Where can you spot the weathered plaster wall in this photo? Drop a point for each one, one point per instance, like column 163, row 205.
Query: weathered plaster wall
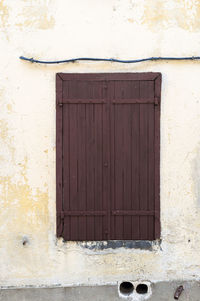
column 30, row 254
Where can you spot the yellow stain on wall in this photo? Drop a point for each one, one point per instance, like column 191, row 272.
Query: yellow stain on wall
column 6, row 138
column 9, row 108
column 3, row 129
column 28, row 208
column 160, row 14
column 4, row 14
column 36, row 16
column 189, row 16
column 130, row 20
column 21, row 207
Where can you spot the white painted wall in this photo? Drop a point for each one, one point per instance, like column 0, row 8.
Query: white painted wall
column 57, row 29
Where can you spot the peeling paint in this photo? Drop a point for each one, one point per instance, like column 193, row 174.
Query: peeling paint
column 160, row 14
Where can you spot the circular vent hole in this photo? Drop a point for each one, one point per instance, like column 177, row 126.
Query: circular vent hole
column 126, row 288
column 142, row 289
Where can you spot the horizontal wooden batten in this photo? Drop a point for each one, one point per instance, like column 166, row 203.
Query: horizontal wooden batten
column 109, row 76
column 100, row 213
column 130, row 101
column 133, row 212
column 115, row 101
column 81, row 213
column 82, row 101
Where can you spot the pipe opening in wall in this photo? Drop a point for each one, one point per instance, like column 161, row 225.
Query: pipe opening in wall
column 142, row 289
column 126, row 288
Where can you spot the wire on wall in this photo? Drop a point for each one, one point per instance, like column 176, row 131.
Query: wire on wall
column 187, row 58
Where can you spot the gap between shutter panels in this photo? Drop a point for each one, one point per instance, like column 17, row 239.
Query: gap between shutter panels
column 113, row 212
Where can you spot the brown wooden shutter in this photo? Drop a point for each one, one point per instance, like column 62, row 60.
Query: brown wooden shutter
column 108, row 156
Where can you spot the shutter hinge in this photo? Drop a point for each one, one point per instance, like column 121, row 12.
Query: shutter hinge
column 60, row 226
column 62, row 215
column 156, row 101
column 157, row 215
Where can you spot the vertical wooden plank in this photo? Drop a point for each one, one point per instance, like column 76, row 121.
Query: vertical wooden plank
column 98, row 175
column 144, row 140
column 59, row 176
column 143, row 170
column 112, row 158
column 66, row 170
column 73, row 146
column 102, row 162
column 157, row 156
column 81, row 169
column 135, row 158
column 151, row 170
column 90, row 169
column 106, row 162
column 147, row 152
column 127, row 149
column 135, row 163
column 119, row 170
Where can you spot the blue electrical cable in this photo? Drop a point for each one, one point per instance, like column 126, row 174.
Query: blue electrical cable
column 187, row 58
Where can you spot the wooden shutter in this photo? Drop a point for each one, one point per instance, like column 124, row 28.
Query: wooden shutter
column 108, row 156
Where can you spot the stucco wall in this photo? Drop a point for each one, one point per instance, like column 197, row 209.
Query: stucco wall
column 56, row 29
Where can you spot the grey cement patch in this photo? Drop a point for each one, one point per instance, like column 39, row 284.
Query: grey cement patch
column 162, row 291
column 115, row 244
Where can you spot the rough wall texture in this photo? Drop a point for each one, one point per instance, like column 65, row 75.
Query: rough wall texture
column 30, row 254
